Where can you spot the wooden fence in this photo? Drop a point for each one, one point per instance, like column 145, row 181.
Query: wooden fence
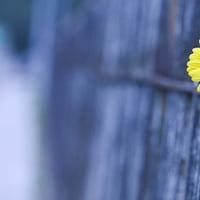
column 124, row 117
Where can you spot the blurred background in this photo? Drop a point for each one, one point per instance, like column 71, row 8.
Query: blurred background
column 95, row 102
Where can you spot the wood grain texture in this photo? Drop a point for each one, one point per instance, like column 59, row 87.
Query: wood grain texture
column 133, row 141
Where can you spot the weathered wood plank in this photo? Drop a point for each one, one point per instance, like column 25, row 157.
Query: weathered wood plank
column 103, row 160
column 193, row 188
column 140, row 136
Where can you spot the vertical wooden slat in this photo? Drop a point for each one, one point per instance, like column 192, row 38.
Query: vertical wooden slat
column 99, row 182
column 154, row 146
column 70, row 123
column 171, row 147
column 136, row 146
column 193, row 189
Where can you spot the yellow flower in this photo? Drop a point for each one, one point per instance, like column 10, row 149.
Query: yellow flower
column 193, row 66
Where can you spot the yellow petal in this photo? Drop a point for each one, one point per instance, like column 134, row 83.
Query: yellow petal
column 192, row 63
column 196, row 50
column 196, row 79
column 198, row 88
column 189, row 74
column 195, row 72
column 194, row 57
column 191, row 68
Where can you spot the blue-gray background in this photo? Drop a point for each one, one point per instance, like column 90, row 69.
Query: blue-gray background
column 95, row 102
